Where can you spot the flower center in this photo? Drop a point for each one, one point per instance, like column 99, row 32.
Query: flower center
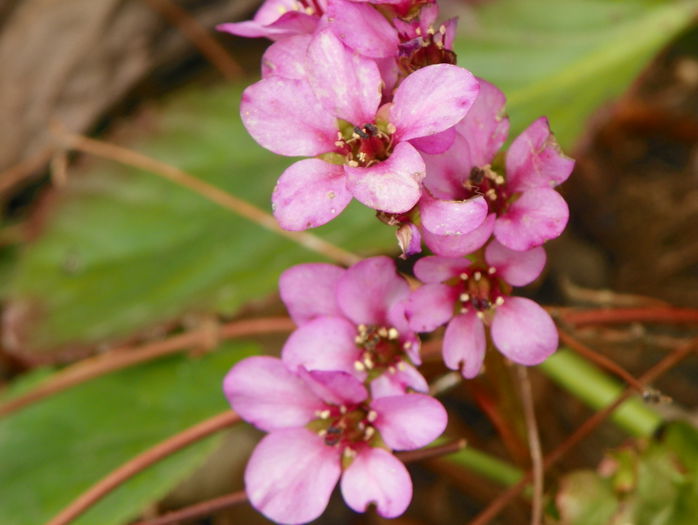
column 345, row 426
column 381, row 349
column 364, row 146
column 481, row 291
column 424, row 50
column 483, row 181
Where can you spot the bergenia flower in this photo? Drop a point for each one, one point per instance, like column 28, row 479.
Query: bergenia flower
column 279, row 19
column 472, row 296
column 524, row 209
column 362, row 150
column 352, row 321
column 323, row 426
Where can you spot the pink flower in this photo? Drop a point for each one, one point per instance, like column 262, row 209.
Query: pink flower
column 470, row 296
column 352, row 321
column 322, row 426
column 280, row 18
column 362, row 150
column 524, row 210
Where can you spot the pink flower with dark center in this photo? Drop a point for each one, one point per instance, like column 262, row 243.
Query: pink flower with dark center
column 524, row 210
column 323, row 426
column 362, row 151
column 471, row 296
column 279, row 19
column 353, row 321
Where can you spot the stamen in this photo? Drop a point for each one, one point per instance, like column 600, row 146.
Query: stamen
column 491, row 270
column 358, row 365
column 372, row 416
column 393, row 333
column 499, row 301
column 464, row 276
column 402, row 366
column 368, row 434
column 343, row 409
column 477, row 276
column 464, row 297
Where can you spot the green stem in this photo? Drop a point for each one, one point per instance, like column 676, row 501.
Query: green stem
column 598, row 390
column 486, row 465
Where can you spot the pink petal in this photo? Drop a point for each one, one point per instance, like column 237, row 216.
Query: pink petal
column 436, row 269
column 430, row 306
column 283, row 115
column 437, row 143
column 291, row 475
column 535, row 160
column 393, row 185
column 376, row 476
column 485, row 126
column 460, row 245
column 346, row 84
column 310, row 193
column 447, row 172
column 397, row 382
column 523, row 331
column 362, row 28
column 368, row 290
column 409, row 421
column 517, row 268
column 325, row 343
column 286, row 58
column 265, row 393
column 409, row 239
column 431, row 100
column 450, row 217
column 536, row 217
column 309, row 290
column 334, row 387
column 464, row 344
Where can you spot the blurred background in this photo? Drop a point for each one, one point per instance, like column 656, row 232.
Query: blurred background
column 97, row 255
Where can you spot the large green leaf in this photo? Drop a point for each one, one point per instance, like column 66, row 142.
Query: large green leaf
column 565, row 58
column 54, row 450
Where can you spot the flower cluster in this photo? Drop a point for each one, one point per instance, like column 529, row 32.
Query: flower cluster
column 368, row 91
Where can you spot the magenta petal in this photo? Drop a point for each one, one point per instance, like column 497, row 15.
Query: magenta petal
column 437, row 143
column 534, row 159
column 268, row 395
column 376, row 476
column 464, row 344
column 369, row 289
column 309, row 290
column 310, row 193
column 436, row 269
column 362, row 28
column 346, row 84
column 286, row 58
column 449, row 217
column 447, row 172
column 460, row 245
column 334, row 387
column 397, row 382
column 392, row 185
column 430, row 306
column 291, row 475
column 431, row 100
column 536, row 217
column 409, row 421
column 485, row 126
column 325, row 343
column 283, row 115
column 523, row 331
column 517, row 268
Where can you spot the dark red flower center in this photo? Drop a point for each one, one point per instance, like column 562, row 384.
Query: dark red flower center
column 364, row 146
column 424, row 50
column 346, row 426
column 491, row 185
column 381, row 349
column 480, row 290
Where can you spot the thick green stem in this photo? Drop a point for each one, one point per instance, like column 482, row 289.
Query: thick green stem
column 598, row 390
column 486, row 465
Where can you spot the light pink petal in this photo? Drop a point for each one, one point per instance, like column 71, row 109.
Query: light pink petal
column 310, row 193
column 346, row 84
column 485, row 126
column 460, row 245
column 536, row 217
column 464, row 344
column 325, row 343
column 451, row 26
column 517, row 268
column 447, row 172
column 309, row 290
column 368, row 290
column 535, row 160
column 362, row 28
column 431, row 100
column 283, row 115
column 268, row 395
column 398, row 382
column 450, row 217
column 523, row 331
column 376, row 476
column 271, row 22
column 409, row 239
column 430, row 306
column 393, row 185
column 436, row 269
column 291, row 475
column 437, row 143
column 286, row 57
column 409, row 421
column 334, row 387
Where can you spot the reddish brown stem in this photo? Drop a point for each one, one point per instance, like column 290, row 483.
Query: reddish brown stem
column 668, row 315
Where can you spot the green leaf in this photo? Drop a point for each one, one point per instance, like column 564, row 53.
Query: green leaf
column 565, row 58
column 585, row 499
column 55, row 449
